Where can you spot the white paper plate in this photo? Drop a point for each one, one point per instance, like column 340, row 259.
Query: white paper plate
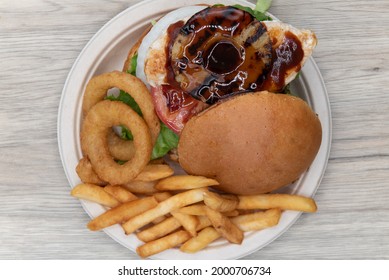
column 106, row 52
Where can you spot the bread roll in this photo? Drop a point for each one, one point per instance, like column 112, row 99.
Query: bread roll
column 252, row 143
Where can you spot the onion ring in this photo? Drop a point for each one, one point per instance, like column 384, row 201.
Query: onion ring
column 95, row 128
column 119, row 148
column 98, row 86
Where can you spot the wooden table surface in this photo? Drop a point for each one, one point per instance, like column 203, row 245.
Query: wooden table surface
column 39, row 42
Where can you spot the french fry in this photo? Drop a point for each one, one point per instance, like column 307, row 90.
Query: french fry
column 141, row 187
column 164, row 207
column 120, row 193
column 193, row 218
column 188, row 222
column 258, row 220
column 156, row 246
column 122, row 213
column 159, row 230
column 247, row 211
column 199, row 210
column 158, row 220
column 282, row 201
column 202, row 240
column 224, row 226
column 161, row 196
column 203, row 222
column 220, row 203
column 153, row 172
column 185, row 182
column 232, row 213
column 86, row 173
column 195, row 209
column 94, row 193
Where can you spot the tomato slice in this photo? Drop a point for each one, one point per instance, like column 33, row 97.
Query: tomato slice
column 175, row 107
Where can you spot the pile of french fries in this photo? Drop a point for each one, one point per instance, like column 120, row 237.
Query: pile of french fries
column 167, row 211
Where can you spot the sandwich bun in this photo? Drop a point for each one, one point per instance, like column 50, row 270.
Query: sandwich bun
column 253, row 143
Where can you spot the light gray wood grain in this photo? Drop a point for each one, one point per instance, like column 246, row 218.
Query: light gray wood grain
column 39, row 42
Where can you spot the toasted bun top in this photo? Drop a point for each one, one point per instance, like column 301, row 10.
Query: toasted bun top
column 253, row 143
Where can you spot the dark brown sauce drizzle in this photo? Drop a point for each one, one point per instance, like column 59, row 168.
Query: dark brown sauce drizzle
column 215, row 61
column 176, row 98
column 286, row 57
column 172, row 33
column 215, row 66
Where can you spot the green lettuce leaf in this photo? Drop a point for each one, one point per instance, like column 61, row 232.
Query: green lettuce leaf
column 126, row 133
column 166, row 141
column 263, row 5
column 257, row 14
column 121, row 162
column 127, row 99
column 132, row 69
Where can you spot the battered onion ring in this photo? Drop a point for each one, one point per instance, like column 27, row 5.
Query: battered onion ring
column 95, row 128
column 119, row 148
column 98, row 86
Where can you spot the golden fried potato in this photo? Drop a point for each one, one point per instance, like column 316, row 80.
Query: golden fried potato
column 202, row 240
column 282, row 201
column 86, row 173
column 220, row 203
column 258, row 220
column 188, row 222
column 175, row 202
column 122, row 213
column 120, row 193
column 94, row 193
column 199, row 210
column 185, row 182
column 153, row 172
column 224, row 226
column 203, row 222
column 156, row 246
column 161, row 196
column 141, row 187
column 159, row 230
